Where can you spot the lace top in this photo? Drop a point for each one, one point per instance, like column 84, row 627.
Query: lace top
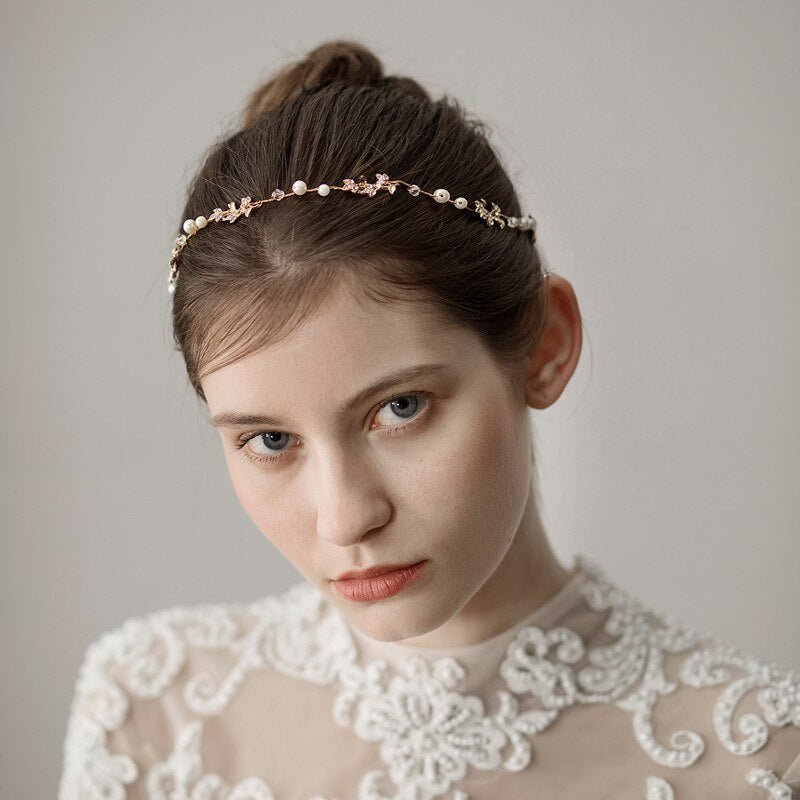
column 593, row 695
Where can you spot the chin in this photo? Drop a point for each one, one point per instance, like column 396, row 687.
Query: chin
column 389, row 622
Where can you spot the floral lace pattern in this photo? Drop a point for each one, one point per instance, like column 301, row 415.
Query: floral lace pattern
column 658, row 789
column 427, row 731
column 767, row 779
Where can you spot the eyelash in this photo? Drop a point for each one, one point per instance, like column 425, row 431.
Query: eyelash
column 395, row 430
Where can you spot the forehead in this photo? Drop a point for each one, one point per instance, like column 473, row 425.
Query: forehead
column 349, row 339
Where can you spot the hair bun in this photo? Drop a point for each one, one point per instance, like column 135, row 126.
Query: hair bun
column 336, row 60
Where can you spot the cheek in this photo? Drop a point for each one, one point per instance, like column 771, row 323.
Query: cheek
column 274, row 513
column 478, row 473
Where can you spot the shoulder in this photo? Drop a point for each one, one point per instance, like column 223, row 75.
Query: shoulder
column 197, row 655
column 695, row 700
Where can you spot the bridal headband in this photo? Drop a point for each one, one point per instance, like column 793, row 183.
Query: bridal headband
column 361, row 186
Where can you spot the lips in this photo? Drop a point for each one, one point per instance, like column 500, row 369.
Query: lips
column 373, row 572
column 384, row 582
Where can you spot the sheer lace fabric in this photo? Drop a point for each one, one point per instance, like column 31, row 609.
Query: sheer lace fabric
column 592, row 695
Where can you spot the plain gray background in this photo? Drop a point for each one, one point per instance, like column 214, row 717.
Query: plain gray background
column 656, row 144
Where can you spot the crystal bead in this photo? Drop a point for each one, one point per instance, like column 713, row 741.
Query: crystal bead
column 278, row 194
column 413, row 190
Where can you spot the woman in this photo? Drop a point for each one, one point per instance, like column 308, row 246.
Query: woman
column 368, row 332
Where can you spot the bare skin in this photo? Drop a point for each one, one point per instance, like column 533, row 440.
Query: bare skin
column 451, row 484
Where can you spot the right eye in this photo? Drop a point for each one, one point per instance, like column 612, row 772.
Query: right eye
column 266, row 446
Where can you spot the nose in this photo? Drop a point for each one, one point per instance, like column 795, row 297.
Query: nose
column 349, row 494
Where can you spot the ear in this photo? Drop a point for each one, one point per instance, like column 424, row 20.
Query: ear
column 555, row 357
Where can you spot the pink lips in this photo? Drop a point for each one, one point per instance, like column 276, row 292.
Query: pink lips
column 377, row 583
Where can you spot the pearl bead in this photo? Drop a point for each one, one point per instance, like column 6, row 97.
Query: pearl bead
column 190, row 226
column 299, row 187
column 441, row 195
column 324, row 189
column 461, row 202
column 171, row 287
column 201, row 222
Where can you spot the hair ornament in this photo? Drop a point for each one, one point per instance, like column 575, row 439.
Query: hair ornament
column 361, row 186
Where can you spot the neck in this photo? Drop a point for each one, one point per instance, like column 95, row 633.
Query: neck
column 527, row 577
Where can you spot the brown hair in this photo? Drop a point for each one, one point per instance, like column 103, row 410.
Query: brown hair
column 331, row 116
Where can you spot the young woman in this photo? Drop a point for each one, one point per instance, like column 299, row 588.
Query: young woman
column 359, row 301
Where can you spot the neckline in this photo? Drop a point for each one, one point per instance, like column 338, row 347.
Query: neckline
column 544, row 616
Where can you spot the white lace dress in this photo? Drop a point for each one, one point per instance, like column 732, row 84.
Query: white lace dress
column 594, row 695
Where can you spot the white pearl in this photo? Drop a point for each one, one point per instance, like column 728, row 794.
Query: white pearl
column 201, row 222
column 324, row 189
column 171, row 288
column 461, row 202
column 190, row 226
column 441, row 195
column 299, row 187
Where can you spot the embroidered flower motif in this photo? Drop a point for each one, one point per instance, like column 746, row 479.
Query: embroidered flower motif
column 659, row 789
column 429, row 732
column 181, row 776
column 298, row 633
column 768, row 780
column 90, row 770
column 368, row 790
column 779, row 694
column 633, row 662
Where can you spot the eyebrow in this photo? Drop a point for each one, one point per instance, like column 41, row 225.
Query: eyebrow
column 236, row 419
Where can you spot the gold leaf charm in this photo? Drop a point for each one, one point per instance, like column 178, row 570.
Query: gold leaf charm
column 490, row 216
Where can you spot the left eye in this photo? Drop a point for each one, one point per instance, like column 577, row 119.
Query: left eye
column 404, row 406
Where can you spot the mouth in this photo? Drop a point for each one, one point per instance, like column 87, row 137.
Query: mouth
column 373, row 572
column 377, row 583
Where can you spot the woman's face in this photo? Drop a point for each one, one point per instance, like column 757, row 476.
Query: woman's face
column 433, row 468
